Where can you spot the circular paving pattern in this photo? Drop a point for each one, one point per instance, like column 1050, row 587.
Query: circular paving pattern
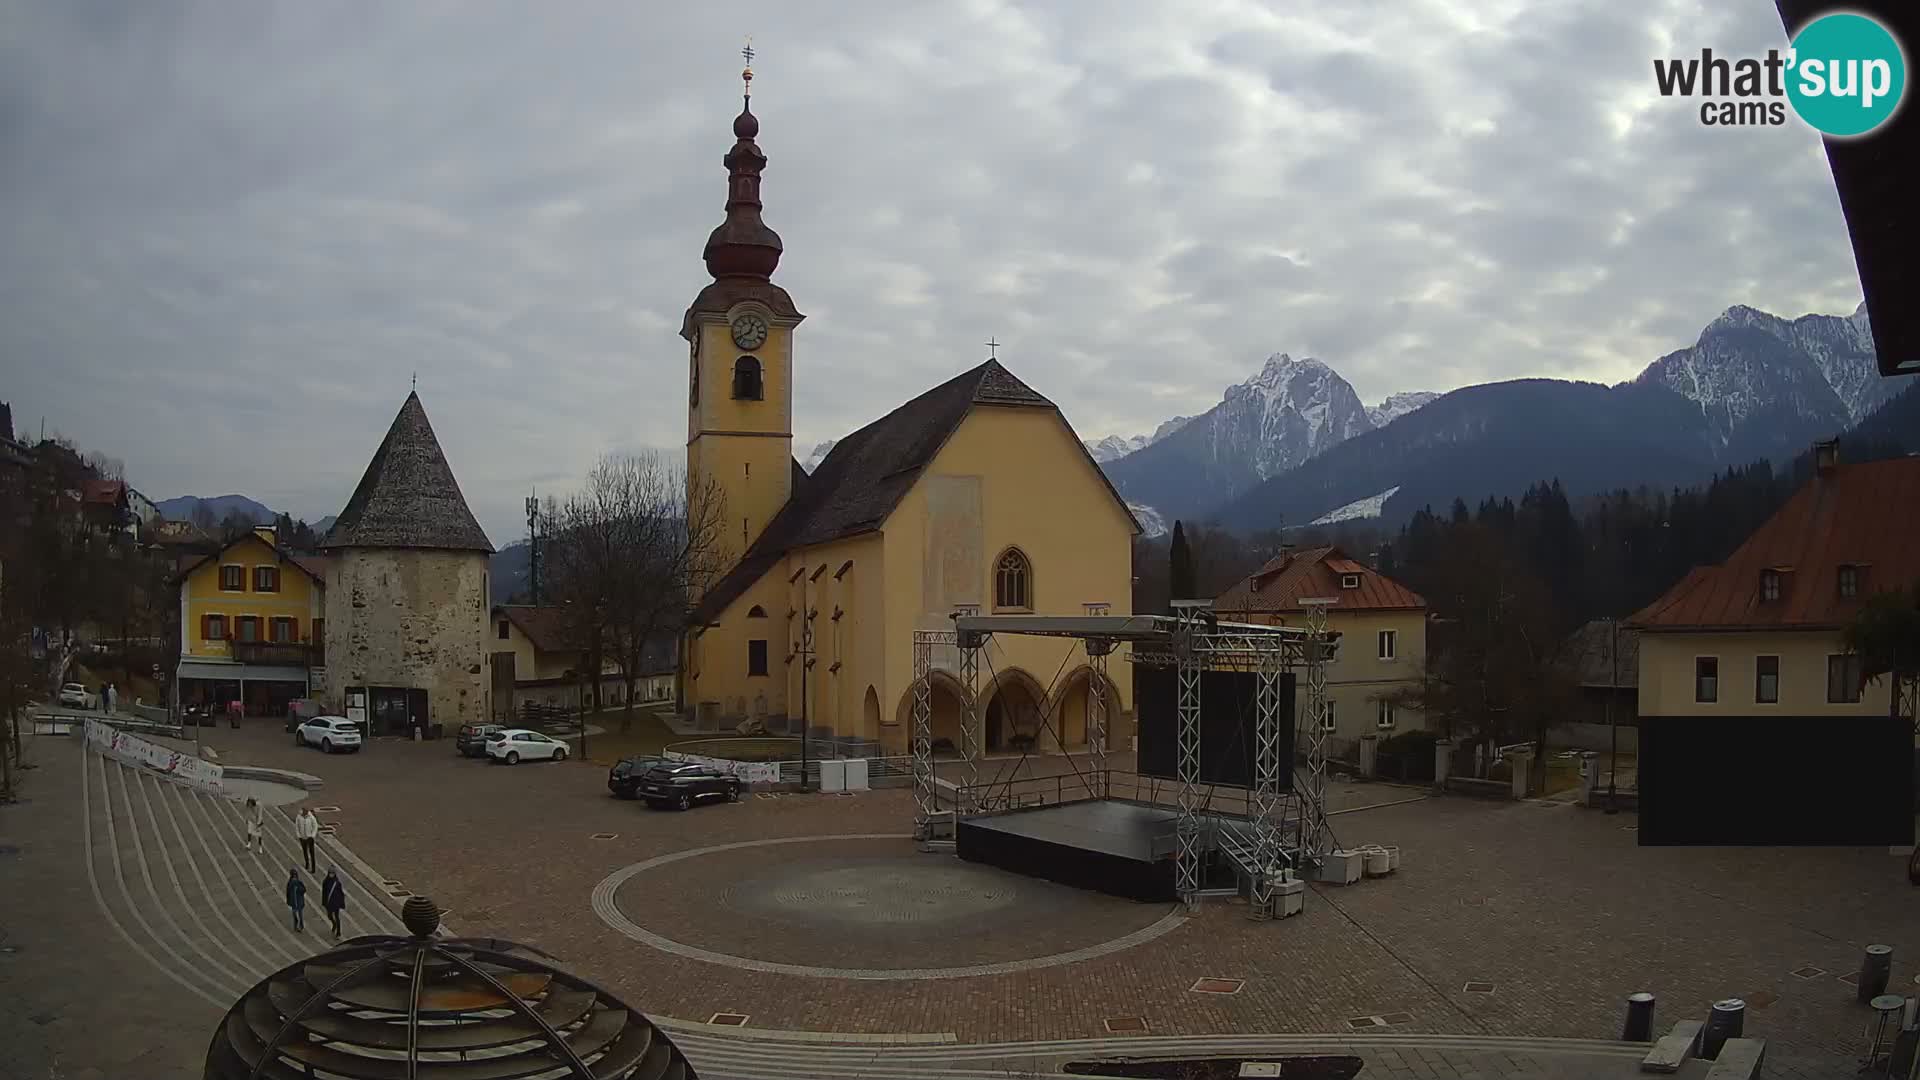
column 874, row 900
column 877, row 893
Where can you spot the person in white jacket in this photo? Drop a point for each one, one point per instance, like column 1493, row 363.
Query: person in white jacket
column 307, row 828
column 256, row 818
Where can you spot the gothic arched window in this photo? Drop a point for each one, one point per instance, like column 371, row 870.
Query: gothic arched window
column 1013, row 580
column 746, row 379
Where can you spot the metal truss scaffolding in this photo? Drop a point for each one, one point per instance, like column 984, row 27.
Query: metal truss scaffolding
column 1188, row 632
column 969, row 642
column 925, row 799
column 1315, row 835
column 1268, row 807
column 1286, row 827
column 1097, row 651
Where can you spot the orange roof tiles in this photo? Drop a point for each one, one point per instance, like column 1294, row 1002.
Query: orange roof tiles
column 546, row 626
column 1288, row 578
column 1866, row 516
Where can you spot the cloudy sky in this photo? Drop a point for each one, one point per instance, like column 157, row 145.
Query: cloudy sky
column 233, row 231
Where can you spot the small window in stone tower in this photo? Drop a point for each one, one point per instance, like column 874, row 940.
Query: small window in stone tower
column 746, row 379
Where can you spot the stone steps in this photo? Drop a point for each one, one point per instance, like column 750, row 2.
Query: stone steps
column 169, row 869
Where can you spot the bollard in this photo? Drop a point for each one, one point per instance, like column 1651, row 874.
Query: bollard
column 1639, row 1018
column 1726, row 1021
column 1875, row 968
column 1906, row 1046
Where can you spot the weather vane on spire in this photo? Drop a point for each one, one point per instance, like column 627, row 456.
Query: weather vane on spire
column 746, row 74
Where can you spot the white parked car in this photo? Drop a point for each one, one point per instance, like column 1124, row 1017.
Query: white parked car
column 515, row 745
column 73, row 696
column 329, row 733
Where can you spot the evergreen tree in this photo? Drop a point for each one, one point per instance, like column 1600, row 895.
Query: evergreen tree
column 1180, row 579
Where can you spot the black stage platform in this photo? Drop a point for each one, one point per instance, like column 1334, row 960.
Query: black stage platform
column 1106, row 845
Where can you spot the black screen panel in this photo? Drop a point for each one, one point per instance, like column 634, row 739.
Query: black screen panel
column 1228, row 700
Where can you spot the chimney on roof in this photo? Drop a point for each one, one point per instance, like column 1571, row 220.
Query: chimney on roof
column 1826, row 457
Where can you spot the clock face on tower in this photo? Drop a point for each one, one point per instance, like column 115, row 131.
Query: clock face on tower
column 749, row 331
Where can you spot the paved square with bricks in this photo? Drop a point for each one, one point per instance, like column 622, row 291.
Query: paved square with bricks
column 811, row 914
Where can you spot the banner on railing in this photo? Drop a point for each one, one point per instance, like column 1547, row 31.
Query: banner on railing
column 749, row 772
column 133, row 750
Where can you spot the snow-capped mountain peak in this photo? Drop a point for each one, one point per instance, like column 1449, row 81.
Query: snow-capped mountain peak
column 1818, row 368
column 1290, row 411
column 1398, row 405
column 1115, row 447
column 812, row 461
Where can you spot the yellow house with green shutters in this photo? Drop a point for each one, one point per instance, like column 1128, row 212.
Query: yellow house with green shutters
column 976, row 496
column 252, row 626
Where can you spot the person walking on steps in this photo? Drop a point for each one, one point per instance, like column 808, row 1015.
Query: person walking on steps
column 256, row 816
column 297, row 899
column 333, row 899
column 307, row 828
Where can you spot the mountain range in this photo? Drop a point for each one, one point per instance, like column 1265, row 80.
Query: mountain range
column 1288, row 413
column 1294, row 445
column 184, row 507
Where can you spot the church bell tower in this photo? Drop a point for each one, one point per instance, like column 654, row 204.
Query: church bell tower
column 739, row 331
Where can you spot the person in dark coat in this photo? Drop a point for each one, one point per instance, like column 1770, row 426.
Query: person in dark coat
column 333, row 898
column 297, row 899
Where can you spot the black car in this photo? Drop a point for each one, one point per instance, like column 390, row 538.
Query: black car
column 681, row 784
column 471, row 739
column 624, row 778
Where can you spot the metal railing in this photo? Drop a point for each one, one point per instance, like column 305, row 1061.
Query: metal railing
column 881, row 771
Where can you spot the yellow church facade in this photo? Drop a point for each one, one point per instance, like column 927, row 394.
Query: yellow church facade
column 975, row 496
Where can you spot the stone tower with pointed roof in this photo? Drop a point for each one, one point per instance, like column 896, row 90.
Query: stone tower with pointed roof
column 974, row 495
column 407, row 590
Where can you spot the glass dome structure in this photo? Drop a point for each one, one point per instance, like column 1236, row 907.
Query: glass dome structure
column 423, row 1007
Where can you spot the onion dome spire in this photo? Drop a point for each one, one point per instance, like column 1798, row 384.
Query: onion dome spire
column 743, row 246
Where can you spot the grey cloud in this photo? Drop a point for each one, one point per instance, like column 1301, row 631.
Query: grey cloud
column 226, row 224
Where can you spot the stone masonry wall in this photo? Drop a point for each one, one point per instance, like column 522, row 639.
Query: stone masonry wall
column 410, row 617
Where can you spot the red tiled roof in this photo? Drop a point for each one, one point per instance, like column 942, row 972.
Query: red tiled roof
column 314, row 566
column 545, row 626
column 1288, row 578
column 1865, row 515
column 107, row 492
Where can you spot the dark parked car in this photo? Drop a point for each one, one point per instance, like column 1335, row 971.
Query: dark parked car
column 301, row 710
column 471, row 739
column 624, row 778
column 680, row 785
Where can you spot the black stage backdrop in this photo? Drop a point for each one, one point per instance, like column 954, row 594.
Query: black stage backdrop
column 1228, row 700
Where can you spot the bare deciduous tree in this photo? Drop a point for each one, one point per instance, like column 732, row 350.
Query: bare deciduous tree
column 105, row 466
column 1490, row 671
column 625, row 553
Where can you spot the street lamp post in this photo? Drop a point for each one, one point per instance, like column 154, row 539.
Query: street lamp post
column 1613, row 727
column 804, row 653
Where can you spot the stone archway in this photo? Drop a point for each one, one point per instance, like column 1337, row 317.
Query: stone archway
column 1069, row 707
column 870, row 715
column 1014, row 709
column 948, row 701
